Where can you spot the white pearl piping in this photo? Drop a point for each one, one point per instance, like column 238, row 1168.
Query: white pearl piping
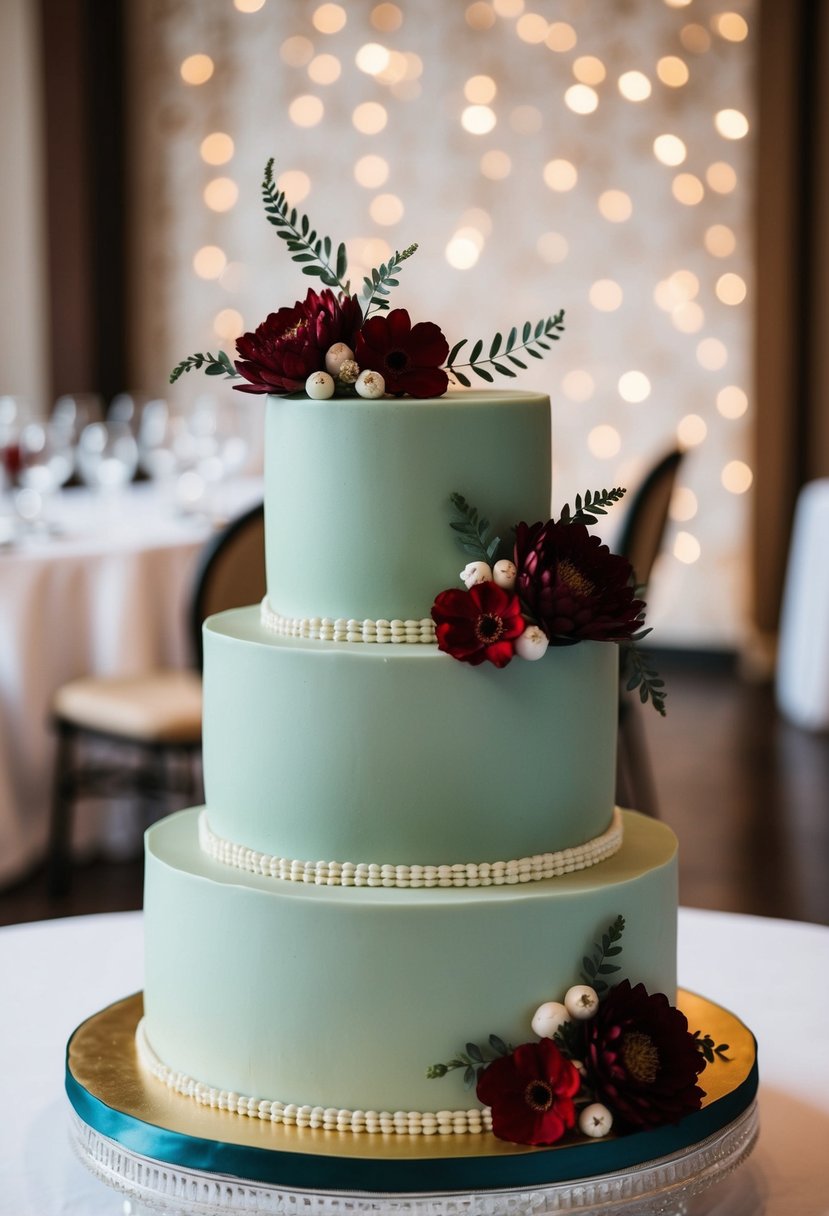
column 327, row 629
column 400, row 1122
column 362, row 874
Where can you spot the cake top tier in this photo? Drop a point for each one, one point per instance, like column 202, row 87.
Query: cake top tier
column 357, row 495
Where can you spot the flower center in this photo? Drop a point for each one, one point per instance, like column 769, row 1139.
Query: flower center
column 640, row 1057
column 573, row 578
column 488, row 628
column 397, row 360
column 539, row 1096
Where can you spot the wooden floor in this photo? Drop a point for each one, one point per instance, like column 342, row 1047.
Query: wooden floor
column 747, row 794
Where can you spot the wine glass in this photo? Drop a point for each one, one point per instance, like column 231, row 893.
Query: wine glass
column 74, row 411
column 14, row 413
column 157, row 434
column 129, row 408
column 107, row 456
column 45, row 464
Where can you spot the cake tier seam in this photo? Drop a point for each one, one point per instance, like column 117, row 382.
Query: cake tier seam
column 363, row 874
column 408, row 1123
column 340, row 629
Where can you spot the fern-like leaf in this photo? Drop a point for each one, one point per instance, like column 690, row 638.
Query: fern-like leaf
column 498, row 352
column 594, row 503
column 303, row 243
column 644, row 676
column 214, row 365
column 474, row 532
column 376, row 285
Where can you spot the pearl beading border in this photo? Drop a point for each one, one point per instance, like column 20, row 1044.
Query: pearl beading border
column 362, row 874
column 399, row 1122
column 327, row 629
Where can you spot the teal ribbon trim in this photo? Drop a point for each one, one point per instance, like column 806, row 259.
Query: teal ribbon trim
column 318, row 1173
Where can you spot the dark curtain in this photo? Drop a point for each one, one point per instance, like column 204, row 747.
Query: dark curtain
column 82, row 55
column 792, row 282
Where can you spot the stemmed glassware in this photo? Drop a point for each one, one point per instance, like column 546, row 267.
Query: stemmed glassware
column 44, row 465
column 107, row 456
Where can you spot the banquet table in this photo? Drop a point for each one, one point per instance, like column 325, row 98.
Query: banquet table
column 772, row 973
column 106, row 594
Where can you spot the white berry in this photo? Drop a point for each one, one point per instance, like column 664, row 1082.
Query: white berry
column 503, row 573
column 336, row 356
column 595, row 1120
column 581, row 1002
column 320, row 386
column 532, row 644
column 370, row 385
column 548, row 1018
column 476, row 572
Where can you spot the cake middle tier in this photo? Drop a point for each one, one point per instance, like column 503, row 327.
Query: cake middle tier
column 398, row 754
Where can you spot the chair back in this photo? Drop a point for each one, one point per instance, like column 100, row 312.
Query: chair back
column 230, row 573
column 643, row 530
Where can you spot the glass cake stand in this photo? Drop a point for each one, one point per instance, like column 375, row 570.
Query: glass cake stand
column 166, row 1154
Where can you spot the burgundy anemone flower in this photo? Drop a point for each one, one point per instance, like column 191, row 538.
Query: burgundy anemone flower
column 481, row 623
column 641, row 1059
column 573, row 586
column 530, row 1093
column 407, row 356
column 282, row 352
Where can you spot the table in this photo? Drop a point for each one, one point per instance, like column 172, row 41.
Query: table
column 106, row 596
column 773, row 973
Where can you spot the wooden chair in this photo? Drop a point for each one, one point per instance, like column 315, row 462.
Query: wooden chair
column 150, row 724
column 640, row 541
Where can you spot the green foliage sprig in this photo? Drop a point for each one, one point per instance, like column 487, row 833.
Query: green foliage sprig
column 594, row 503
column 705, row 1045
column 376, row 285
column 474, row 532
column 214, row 365
column 302, row 241
column 473, row 1060
column 595, row 966
column 643, row 675
column 501, row 353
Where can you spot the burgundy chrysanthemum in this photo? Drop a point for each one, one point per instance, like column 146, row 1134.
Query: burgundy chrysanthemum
column 407, row 356
column 573, row 586
column 282, row 352
column 641, row 1059
column 478, row 624
column 531, row 1094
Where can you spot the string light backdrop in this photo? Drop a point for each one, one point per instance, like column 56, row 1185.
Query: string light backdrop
column 583, row 155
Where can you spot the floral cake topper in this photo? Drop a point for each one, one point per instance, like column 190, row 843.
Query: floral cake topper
column 330, row 343
column 605, row 1057
column 555, row 585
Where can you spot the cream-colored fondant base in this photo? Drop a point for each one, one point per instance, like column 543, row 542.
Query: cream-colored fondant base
column 341, row 998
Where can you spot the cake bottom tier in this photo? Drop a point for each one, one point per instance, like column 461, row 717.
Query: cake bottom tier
column 341, row 998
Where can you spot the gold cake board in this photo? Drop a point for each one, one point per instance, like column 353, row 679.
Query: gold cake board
column 169, row 1152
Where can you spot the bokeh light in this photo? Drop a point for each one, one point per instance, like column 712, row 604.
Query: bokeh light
column 691, row 430
column 731, row 288
column 324, row 69
column 371, row 171
column 552, row 247
column 731, row 26
column 606, row 295
column 228, row 324
column 478, row 120
column 369, row 117
column 306, row 110
column 196, row 69
column 372, row 58
column 684, row 504
column 581, row 99
column 695, row 38
column 721, row 177
column 687, row 548
column 329, row 18
column 221, row 193
column 720, row 240
column 589, row 70
column 532, row 28
column 496, row 164
column 560, row 175
column 634, row 386
column 669, row 149
column 615, row 206
column 736, row 477
column 688, row 189
column 578, row 385
column 297, row 51
column 634, row 86
column 672, row 71
column 296, row 185
column 561, row 37
column 216, row 148
column 386, row 18
column 480, row 16
column 712, row 354
column 604, row 442
column 386, row 209
column 732, row 401
column 731, row 124
column 209, row 262
column 480, row 90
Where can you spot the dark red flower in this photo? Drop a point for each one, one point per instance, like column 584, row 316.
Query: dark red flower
column 641, row 1059
column 279, row 356
column 573, row 586
column 481, row 623
column 407, row 356
column 531, row 1094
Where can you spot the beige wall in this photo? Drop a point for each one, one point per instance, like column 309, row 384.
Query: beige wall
column 22, row 250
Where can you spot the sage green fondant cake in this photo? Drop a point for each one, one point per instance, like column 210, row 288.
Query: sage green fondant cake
column 399, row 853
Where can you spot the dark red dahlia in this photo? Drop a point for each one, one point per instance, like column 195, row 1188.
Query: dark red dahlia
column 279, row 356
column 641, row 1059
column 573, row 586
column 481, row 623
column 407, row 356
column 531, row 1094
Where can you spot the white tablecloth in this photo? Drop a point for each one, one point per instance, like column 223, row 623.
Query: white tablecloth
column 108, row 596
column 774, row 974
